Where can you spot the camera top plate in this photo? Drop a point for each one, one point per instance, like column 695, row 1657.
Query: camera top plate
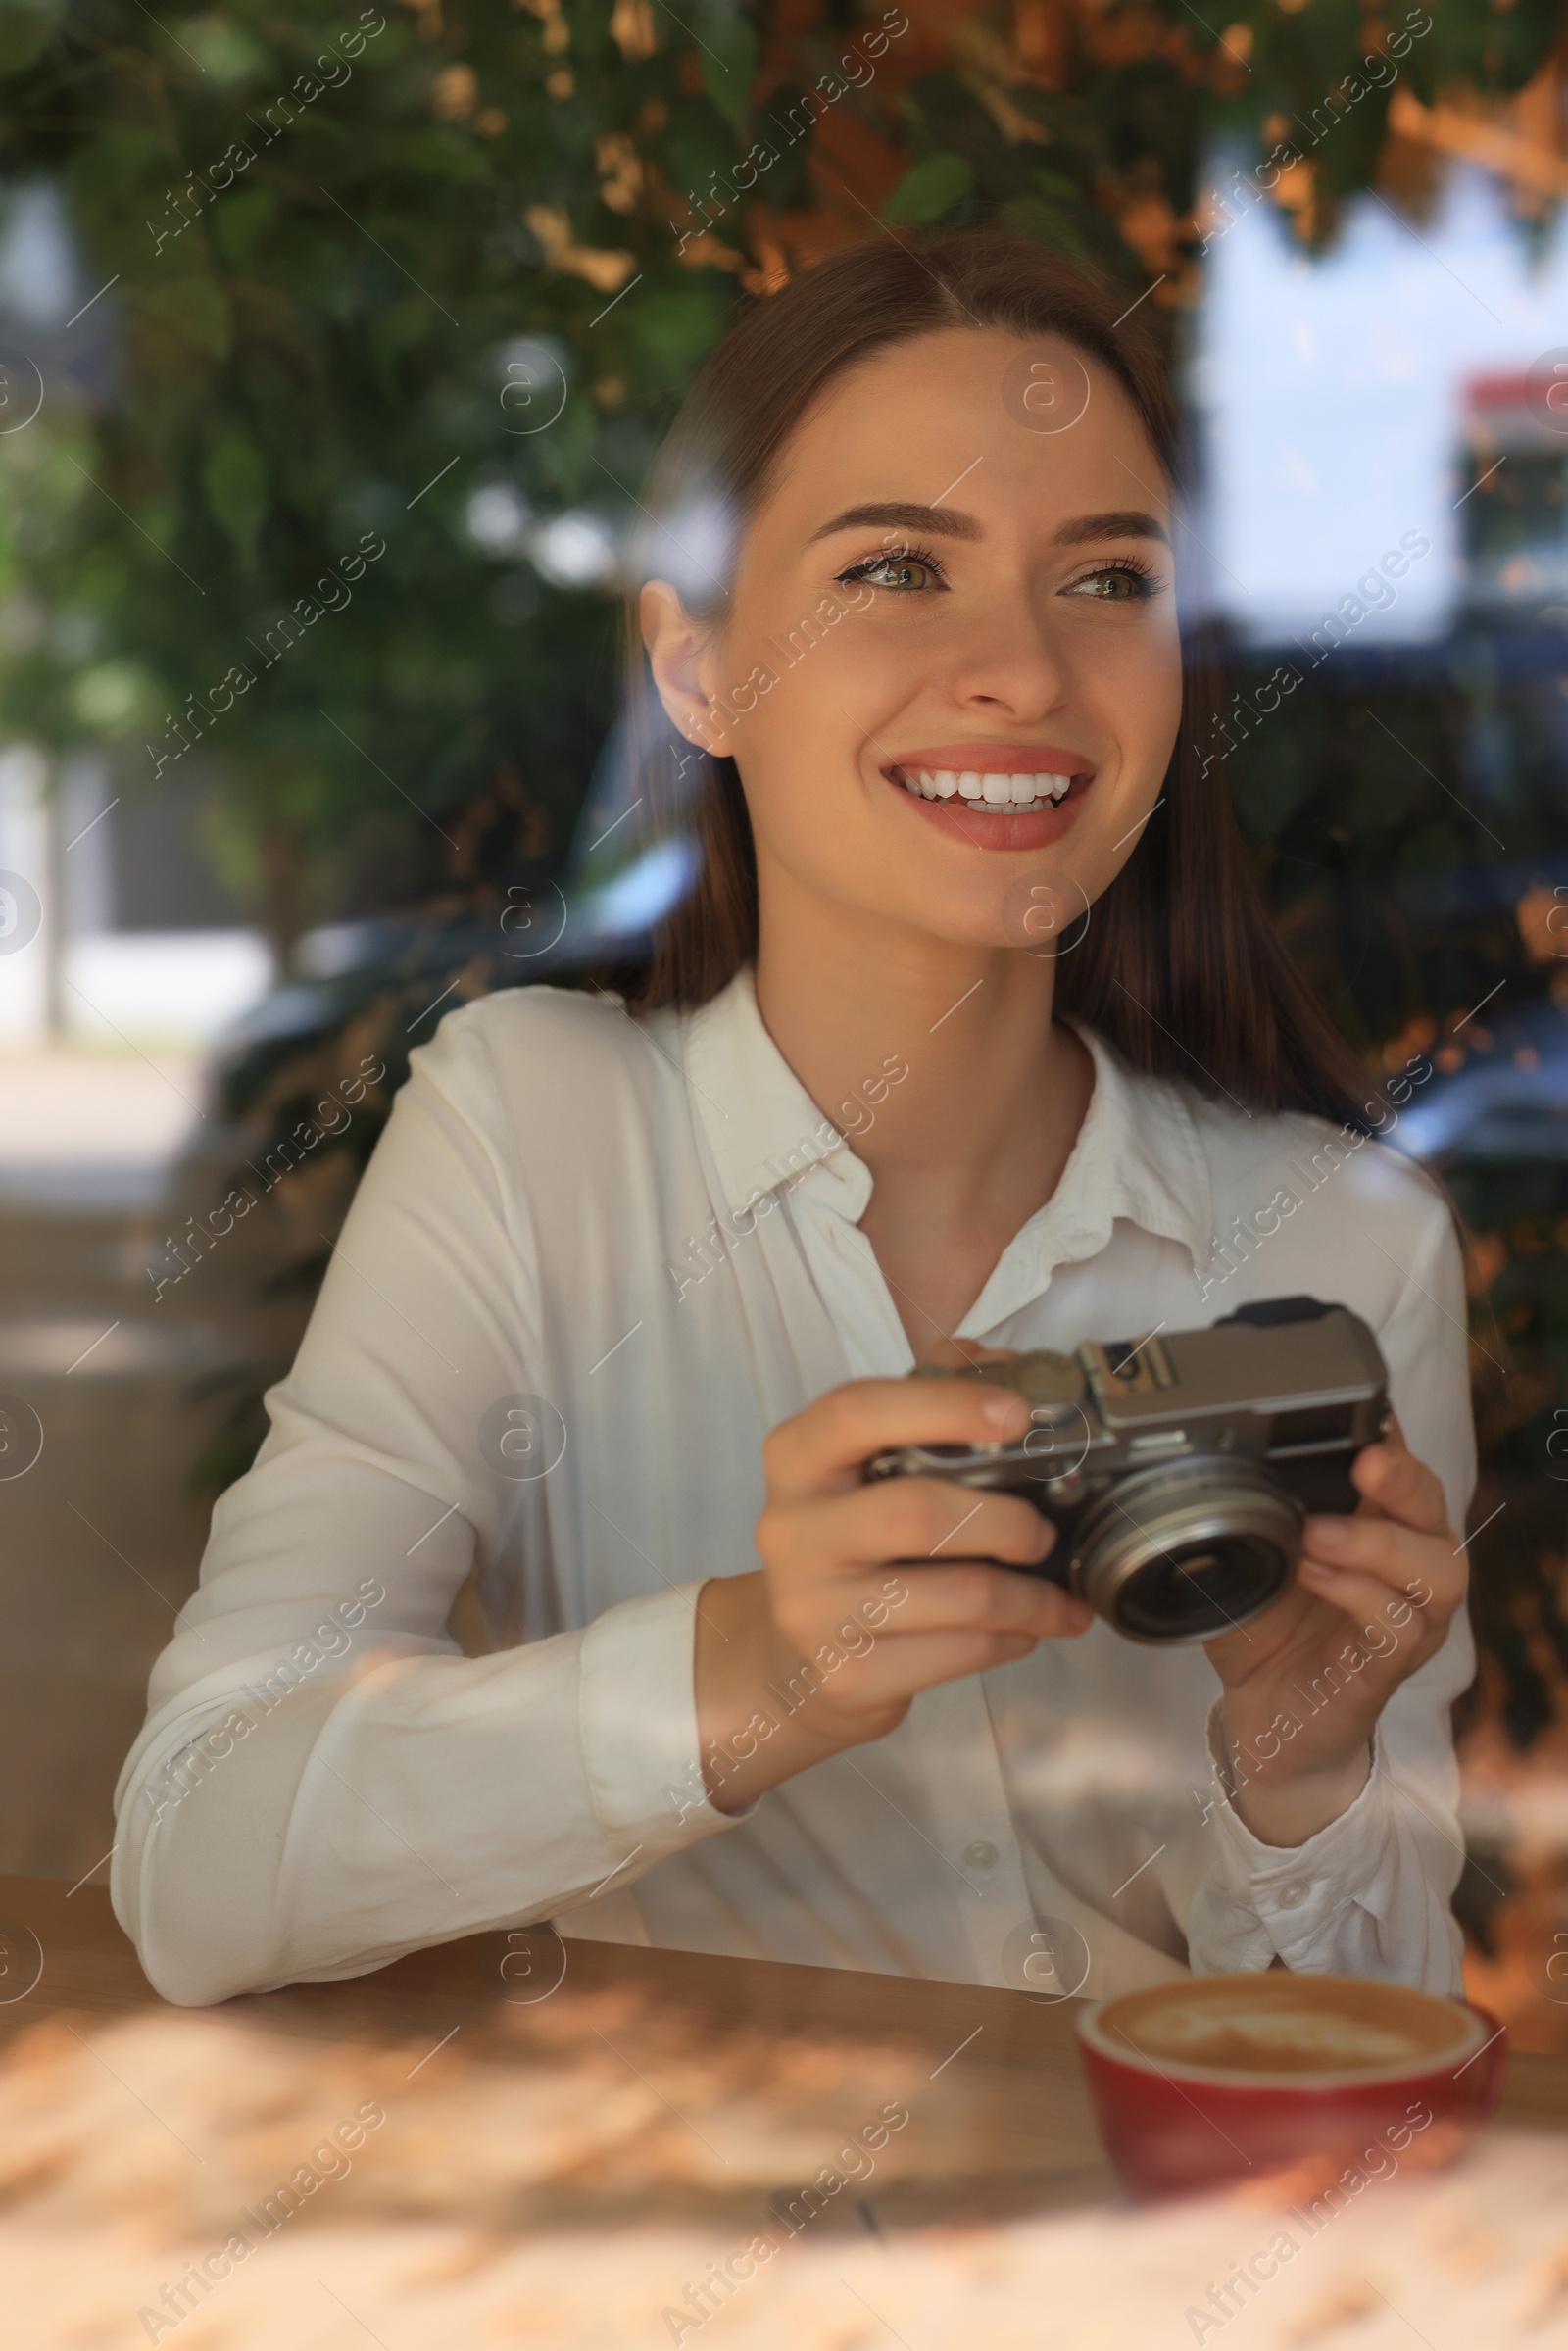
column 1052, row 1385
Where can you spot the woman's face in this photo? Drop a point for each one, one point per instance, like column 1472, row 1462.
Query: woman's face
column 941, row 591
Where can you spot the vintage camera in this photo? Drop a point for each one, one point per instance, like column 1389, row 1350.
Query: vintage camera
column 1177, row 1468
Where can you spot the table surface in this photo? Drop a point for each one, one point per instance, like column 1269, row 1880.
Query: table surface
column 999, row 2119
column 561, row 2146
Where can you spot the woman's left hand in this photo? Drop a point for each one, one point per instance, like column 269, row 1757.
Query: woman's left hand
column 1305, row 1684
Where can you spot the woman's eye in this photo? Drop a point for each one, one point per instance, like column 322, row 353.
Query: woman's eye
column 900, row 574
column 1117, row 583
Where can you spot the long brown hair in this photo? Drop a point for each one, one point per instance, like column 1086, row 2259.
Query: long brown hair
column 1180, row 967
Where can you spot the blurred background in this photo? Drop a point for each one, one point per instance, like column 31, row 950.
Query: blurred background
column 333, row 345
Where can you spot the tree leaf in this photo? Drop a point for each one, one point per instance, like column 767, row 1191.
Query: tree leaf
column 193, row 310
column 239, row 219
column 119, row 162
column 27, row 27
column 234, row 480
column 1048, row 223
column 931, row 190
column 728, row 57
column 1056, row 184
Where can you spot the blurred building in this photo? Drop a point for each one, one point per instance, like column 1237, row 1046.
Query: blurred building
column 1342, row 403
column 1514, row 538
column 138, row 938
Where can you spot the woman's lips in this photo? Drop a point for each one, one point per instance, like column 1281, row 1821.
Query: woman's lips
column 995, row 798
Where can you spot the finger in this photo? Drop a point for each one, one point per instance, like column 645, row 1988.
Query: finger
column 951, row 1355
column 1385, row 1650
column 915, row 1662
column 974, row 1596
column 829, row 1535
column 1384, row 1612
column 940, row 1604
column 926, row 1659
column 1428, row 1569
column 829, row 1443
column 1394, row 1481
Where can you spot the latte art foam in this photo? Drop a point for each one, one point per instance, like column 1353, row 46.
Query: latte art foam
column 1281, row 2024
column 1277, row 2039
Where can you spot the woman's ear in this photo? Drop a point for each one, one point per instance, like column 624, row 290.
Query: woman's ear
column 677, row 653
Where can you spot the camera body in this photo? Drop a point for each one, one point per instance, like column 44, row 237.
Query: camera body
column 1177, row 1468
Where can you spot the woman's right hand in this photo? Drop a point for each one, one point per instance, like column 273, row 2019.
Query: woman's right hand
column 868, row 1592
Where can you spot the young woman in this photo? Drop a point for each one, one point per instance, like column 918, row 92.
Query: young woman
column 627, row 1295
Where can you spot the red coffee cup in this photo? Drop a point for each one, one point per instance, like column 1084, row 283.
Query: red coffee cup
column 1216, row 2078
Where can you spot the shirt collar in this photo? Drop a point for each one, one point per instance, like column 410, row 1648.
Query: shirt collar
column 762, row 1126
column 1137, row 1156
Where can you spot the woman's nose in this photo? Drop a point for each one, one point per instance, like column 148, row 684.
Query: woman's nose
column 1009, row 663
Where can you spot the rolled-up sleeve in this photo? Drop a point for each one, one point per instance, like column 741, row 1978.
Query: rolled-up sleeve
column 1368, row 1895
column 1371, row 1893
column 325, row 1782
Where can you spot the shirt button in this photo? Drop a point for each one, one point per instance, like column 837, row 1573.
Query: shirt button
column 1291, row 1897
column 981, row 1855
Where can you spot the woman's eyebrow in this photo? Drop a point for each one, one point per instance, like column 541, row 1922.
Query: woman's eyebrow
column 898, row 515
column 1123, row 523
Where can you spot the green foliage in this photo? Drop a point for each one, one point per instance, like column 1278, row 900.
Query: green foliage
column 929, row 191
column 235, row 481
column 324, row 237
column 318, row 282
column 26, row 27
column 728, row 50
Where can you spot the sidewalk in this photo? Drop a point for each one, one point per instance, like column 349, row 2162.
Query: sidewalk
column 101, row 1536
column 93, row 1130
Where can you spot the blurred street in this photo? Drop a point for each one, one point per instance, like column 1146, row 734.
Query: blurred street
column 100, row 1538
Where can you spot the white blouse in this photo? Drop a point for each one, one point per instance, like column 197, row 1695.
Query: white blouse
column 591, row 1263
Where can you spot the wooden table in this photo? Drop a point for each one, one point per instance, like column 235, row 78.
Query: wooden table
column 644, row 2089
column 1000, row 2118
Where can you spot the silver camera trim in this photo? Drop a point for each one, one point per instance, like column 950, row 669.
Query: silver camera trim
column 1234, row 1498
column 1179, row 1439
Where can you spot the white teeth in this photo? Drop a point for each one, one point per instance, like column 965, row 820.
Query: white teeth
column 995, row 791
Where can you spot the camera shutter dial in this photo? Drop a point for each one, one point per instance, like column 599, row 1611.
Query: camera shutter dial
column 1053, row 1384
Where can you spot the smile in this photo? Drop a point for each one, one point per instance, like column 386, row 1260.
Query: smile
column 994, row 794
column 991, row 789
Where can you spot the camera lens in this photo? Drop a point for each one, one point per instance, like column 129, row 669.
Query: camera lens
column 1187, row 1551
column 1200, row 1589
